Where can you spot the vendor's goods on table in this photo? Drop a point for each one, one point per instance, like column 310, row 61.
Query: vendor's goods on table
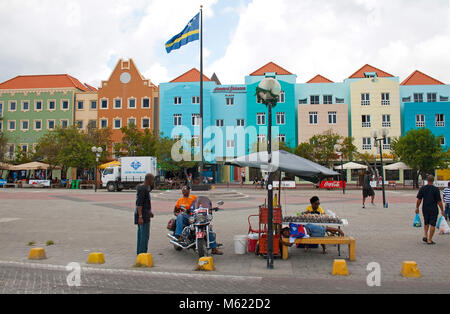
column 309, row 218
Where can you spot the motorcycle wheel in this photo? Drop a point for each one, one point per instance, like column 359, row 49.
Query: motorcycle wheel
column 201, row 249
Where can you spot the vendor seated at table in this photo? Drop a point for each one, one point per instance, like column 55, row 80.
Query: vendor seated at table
column 314, row 208
column 314, row 231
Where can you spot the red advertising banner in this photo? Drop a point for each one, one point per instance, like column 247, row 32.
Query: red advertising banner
column 331, row 184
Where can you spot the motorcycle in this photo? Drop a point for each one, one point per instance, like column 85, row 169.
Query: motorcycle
column 196, row 234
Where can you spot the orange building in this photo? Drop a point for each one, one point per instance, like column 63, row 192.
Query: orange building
column 127, row 98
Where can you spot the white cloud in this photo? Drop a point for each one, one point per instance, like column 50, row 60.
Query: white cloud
column 335, row 38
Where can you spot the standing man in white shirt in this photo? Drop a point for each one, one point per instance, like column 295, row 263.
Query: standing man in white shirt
column 446, row 194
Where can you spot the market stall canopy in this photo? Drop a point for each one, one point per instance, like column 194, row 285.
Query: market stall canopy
column 4, row 166
column 31, row 166
column 114, row 163
column 398, row 166
column 352, row 166
column 286, row 162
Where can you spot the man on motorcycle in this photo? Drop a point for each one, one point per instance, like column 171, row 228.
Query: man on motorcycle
column 182, row 206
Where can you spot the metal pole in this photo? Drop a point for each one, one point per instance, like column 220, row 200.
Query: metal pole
column 201, row 95
column 342, row 174
column 270, row 194
column 382, row 173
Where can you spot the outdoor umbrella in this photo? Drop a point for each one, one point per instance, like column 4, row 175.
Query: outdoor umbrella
column 286, row 162
column 31, row 166
column 398, row 166
column 4, row 166
column 109, row 164
column 352, row 166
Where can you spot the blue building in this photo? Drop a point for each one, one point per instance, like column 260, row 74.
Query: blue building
column 425, row 104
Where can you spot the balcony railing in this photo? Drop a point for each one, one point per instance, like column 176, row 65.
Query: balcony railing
column 440, row 123
column 365, row 102
column 386, row 124
column 420, row 124
column 367, row 147
column 385, row 102
column 366, row 124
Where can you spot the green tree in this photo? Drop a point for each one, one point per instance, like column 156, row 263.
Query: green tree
column 320, row 148
column 22, row 157
column 421, row 150
column 305, row 150
column 3, row 145
column 348, row 148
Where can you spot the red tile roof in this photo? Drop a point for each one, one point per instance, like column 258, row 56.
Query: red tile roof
column 192, row 75
column 270, row 68
column 419, row 78
column 369, row 68
column 43, row 81
column 319, row 79
column 93, row 89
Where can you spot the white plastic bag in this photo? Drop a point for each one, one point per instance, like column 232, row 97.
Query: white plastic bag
column 443, row 226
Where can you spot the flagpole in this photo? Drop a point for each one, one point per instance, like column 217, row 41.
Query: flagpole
column 201, row 94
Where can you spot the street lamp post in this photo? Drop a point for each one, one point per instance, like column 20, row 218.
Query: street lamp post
column 98, row 152
column 379, row 142
column 269, row 90
column 341, row 158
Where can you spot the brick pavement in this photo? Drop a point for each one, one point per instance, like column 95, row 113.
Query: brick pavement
column 80, row 222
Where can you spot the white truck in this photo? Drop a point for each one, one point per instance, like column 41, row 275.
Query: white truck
column 129, row 174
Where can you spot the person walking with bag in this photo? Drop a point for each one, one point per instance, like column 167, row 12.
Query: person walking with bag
column 446, row 194
column 431, row 198
column 143, row 213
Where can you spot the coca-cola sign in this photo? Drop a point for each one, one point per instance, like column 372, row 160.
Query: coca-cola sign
column 331, row 184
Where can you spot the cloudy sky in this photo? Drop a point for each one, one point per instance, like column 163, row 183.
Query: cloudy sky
column 85, row 38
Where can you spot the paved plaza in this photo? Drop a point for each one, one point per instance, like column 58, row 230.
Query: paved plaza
column 80, row 222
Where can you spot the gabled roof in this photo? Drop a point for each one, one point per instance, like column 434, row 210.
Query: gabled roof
column 43, row 81
column 319, row 79
column 91, row 88
column 214, row 78
column 419, row 78
column 368, row 68
column 192, row 75
column 270, row 68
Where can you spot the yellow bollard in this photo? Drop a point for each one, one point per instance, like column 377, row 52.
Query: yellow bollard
column 37, row 254
column 96, row 258
column 144, row 260
column 206, row 263
column 410, row 270
column 340, row 268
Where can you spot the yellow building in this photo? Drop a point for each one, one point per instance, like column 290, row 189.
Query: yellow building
column 86, row 109
column 374, row 105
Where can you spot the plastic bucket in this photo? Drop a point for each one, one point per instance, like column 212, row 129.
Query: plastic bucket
column 252, row 241
column 240, row 244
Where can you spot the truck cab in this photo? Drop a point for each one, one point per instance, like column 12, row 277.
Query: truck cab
column 110, row 178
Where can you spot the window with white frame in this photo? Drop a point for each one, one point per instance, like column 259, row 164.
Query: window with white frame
column 93, row 104
column 131, row 121
column 118, row 103
column 145, row 103
column 64, row 123
column 177, row 100
column 79, row 124
column 229, row 101
column 1, row 109
column 195, row 119
column 261, row 118
column 313, row 117
column 303, row 101
column 442, row 140
column 386, row 121
column 367, row 143
column 281, row 138
column 11, row 125
column 420, row 120
column 282, row 98
column 332, row 117
column 25, row 105
column 24, row 148
column 146, row 123
column 440, row 120
column 340, row 100
column 366, row 121
column 51, row 105
column 418, row 97
column 12, row 106
column 177, row 119
column 387, row 143
column 117, row 123
column 196, row 100
column 240, row 122
column 443, row 98
column 92, row 124
column 38, row 105
column 281, row 118
column 104, row 104
column 24, row 125
column 385, row 99
column 132, row 103
column 261, row 138
column 328, row 99
column 431, row 97
column 1, row 125
column 80, row 105
column 65, row 105
column 365, row 99
column 50, row 124
column 11, row 150
column 103, row 123
column 315, row 100
column 230, row 143
column 220, row 123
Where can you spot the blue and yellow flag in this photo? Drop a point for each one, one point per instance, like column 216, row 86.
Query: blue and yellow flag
column 190, row 33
